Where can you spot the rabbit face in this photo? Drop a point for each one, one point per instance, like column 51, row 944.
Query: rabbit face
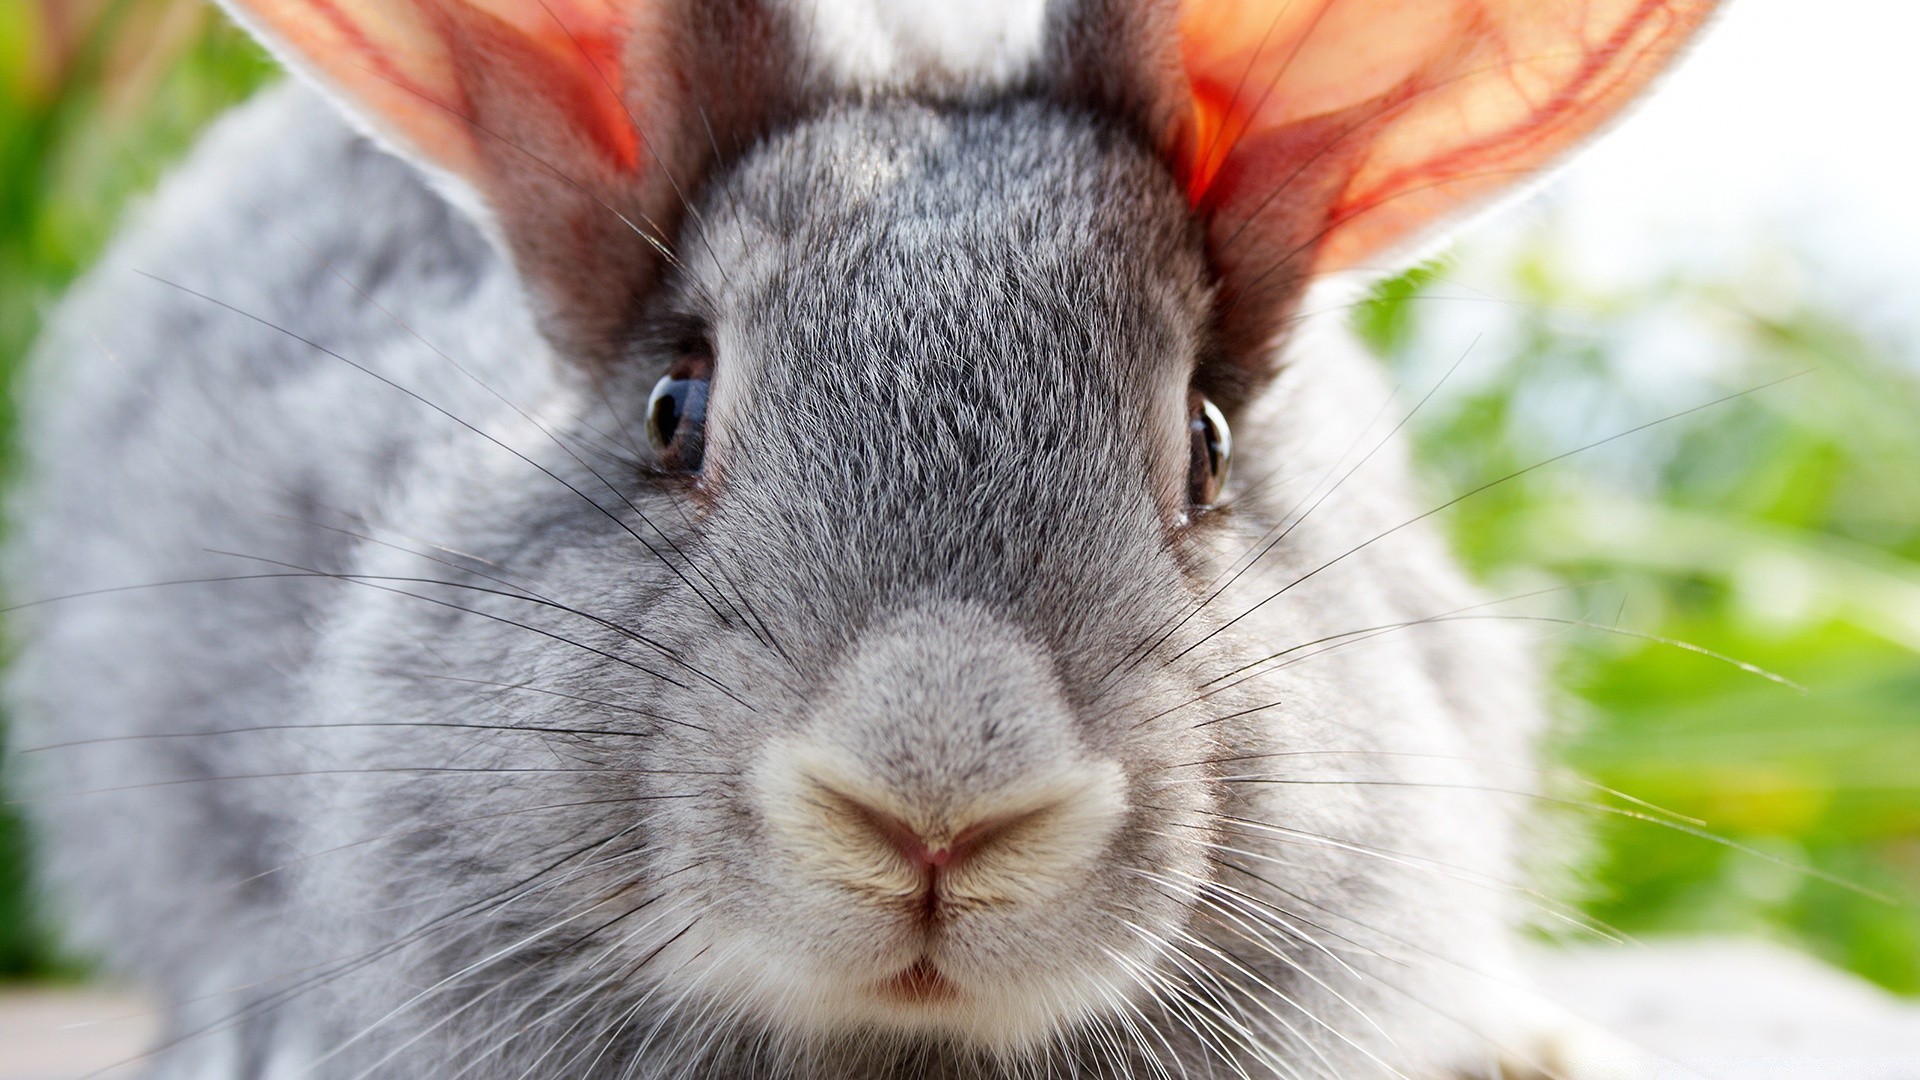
column 811, row 637
column 896, row 717
column 932, row 833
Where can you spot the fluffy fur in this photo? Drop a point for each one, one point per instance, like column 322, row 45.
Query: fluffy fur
column 420, row 725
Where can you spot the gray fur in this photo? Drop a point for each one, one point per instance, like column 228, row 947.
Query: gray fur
column 954, row 349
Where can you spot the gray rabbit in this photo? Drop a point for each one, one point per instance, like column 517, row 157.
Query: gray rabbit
column 697, row 539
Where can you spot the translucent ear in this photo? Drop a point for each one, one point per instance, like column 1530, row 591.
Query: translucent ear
column 409, row 68
column 1416, row 106
column 1321, row 133
column 575, row 123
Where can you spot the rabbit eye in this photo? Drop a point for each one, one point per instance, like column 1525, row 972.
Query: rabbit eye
column 1212, row 451
column 677, row 414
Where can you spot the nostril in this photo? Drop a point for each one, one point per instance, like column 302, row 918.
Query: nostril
column 834, row 820
column 948, row 852
column 904, row 838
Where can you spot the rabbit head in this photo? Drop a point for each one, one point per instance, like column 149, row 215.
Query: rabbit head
column 861, row 653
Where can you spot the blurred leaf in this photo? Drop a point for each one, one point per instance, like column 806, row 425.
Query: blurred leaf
column 1781, row 529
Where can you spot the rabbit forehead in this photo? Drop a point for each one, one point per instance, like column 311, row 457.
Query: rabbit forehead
column 944, row 328
column 1011, row 200
column 1014, row 264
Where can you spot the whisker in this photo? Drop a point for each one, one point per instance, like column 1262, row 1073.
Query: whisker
column 1291, row 523
column 1359, row 637
column 509, row 981
column 375, row 580
column 1400, row 989
column 467, row 425
column 1214, row 1005
column 1218, row 894
column 1689, row 826
column 382, row 770
column 422, row 995
column 1465, row 875
column 1456, row 500
column 1135, row 654
column 1288, row 921
column 1368, row 631
column 522, row 687
column 334, row 970
column 1560, row 775
column 149, row 736
column 1266, row 987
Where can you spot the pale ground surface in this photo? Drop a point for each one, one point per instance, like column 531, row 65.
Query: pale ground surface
column 67, row 1034
column 1737, row 1010
column 1705, row 1010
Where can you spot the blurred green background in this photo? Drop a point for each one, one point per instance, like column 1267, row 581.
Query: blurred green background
column 1781, row 528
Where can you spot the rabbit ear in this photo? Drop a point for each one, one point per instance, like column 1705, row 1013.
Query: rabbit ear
column 576, row 124
column 1315, row 134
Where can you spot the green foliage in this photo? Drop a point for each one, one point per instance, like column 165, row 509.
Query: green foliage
column 1779, row 528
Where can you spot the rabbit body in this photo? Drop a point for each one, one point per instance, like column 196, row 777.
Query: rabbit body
column 503, row 755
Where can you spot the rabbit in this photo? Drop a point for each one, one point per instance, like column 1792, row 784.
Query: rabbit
column 634, row 538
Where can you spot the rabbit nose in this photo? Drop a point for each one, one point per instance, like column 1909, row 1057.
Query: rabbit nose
column 940, row 765
column 918, row 851
column 945, row 849
column 833, row 823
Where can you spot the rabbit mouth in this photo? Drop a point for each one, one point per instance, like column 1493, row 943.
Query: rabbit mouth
column 920, row 983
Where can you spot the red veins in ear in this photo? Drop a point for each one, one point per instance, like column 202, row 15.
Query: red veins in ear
column 421, row 68
column 1369, row 119
column 1216, row 122
column 571, row 67
column 371, row 56
column 582, row 78
column 1601, row 76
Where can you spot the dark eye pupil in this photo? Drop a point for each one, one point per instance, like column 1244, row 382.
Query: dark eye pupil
column 1212, row 452
column 676, row 420
column 666, row 410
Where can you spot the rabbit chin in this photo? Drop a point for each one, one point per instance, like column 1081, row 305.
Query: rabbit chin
column 998, row 1012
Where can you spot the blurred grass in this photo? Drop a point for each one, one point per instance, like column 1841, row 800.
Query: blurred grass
column 1782, row 528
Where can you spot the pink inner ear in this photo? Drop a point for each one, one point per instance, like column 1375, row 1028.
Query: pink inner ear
column 411, row 66
column 1373, row 117
column 370, row 56
column 574, row 73
column 1597, row 77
